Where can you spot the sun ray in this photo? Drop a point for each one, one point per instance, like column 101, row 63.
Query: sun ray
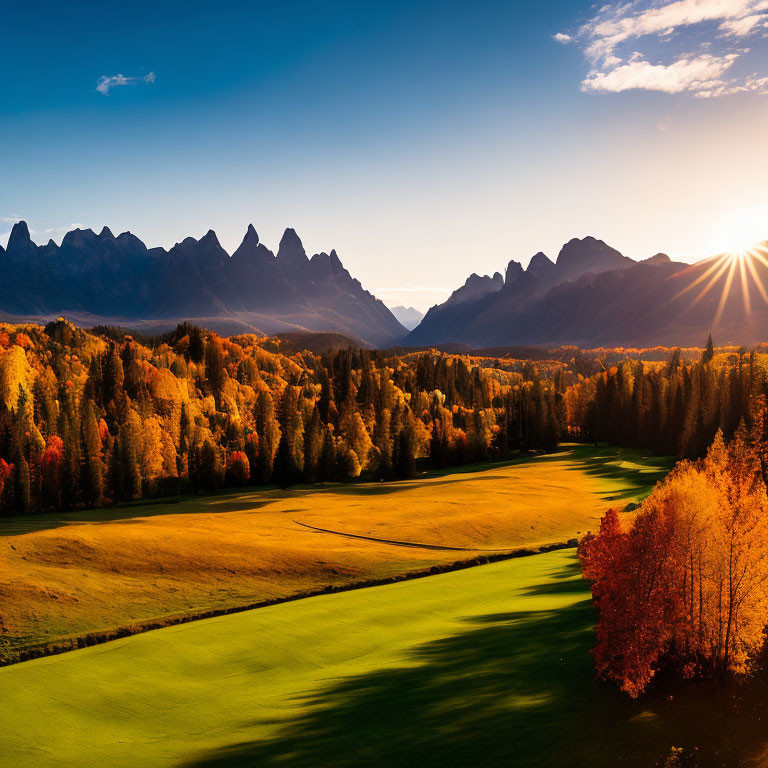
column 721, row 260
column 755, row 277
column 761, row 258
column 726, row 291
column 744, row 286
column 714, row 279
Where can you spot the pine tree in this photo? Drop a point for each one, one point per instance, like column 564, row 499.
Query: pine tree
column 92, row 482
column 268, row 431
column 327, row 463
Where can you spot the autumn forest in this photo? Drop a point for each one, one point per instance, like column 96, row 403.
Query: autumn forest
column 100, row 417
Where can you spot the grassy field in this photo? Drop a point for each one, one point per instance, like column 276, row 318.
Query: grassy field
column 64, row 575
column 486, row 666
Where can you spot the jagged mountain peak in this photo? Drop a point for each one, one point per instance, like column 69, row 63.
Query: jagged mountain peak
column 118, row 277
column 409, row 317
column 588, row 254
column 291, row 249
column 475, row 287
column 540, row 262
column 187, row 242
column 19, row 238
column 79, row 238
column 658, row 258
column 210, row 238
column 513, row 272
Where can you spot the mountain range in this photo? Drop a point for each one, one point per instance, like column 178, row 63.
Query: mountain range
column 102, row 278
column 592, row 295
column 409, row 317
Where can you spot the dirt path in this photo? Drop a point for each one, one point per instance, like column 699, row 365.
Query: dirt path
column 396, row 543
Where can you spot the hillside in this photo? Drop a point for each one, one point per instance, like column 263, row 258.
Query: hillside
column 490, row 661
column 69, row 574
column 99, row 278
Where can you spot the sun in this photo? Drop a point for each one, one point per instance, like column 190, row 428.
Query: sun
column 742, row 232
column 738, row 262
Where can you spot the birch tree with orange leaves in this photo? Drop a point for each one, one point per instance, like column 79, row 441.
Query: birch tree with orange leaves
column 686, row 585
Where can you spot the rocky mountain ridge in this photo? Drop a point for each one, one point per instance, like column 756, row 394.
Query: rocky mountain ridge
column 118, row 279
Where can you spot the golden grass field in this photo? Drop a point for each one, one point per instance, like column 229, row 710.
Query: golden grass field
column 64, row 575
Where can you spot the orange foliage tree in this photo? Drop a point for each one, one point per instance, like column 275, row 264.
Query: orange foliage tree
column 687, row 584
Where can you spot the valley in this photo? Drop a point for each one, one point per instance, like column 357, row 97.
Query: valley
column 65, row 575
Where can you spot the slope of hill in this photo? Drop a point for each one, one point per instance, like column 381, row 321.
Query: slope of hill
column 490, row 661
column 96, row 278
column 162, row 560
column 594, row 296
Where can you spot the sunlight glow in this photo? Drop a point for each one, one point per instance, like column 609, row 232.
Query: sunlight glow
column 745, row 261
column 741, row 230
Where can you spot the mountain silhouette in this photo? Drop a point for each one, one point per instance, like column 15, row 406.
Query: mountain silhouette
column 592, row 295
column 102, row 278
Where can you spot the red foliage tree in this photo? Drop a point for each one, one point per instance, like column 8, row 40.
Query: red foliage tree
column 687, row 585
column 238, row 468
column 50, row 465
column 5, row 472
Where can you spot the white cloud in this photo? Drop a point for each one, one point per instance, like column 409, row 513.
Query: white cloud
column 743, row 26
column 561, row 37
column 685, row 74
column 697, row 65
column 106, row 82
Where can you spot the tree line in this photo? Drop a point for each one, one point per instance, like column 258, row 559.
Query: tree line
column 92, row 418
column 674, row 408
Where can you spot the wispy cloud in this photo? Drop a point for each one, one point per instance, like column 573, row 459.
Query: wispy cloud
column 106, row 82
column 408, row 288
column 701, row 41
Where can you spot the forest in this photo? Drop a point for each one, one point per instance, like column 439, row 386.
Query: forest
column 92, row 418
column 89, row 418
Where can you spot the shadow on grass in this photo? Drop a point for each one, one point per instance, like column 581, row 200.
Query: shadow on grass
column 602, row 462
column 513, row 689
column 127, row 513
column 636, row 471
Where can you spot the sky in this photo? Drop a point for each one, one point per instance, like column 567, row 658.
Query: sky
column 423, row 141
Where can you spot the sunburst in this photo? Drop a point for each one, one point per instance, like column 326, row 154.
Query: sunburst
column 742, row 260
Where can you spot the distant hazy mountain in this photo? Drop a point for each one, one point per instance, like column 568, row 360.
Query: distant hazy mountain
column 592, row 296
column 101, row 277
column 408, row 316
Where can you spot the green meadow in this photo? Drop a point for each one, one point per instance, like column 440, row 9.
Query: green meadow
column 63, row 575
column 488, row 665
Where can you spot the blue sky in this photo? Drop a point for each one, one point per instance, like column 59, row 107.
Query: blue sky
column 422, row 140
